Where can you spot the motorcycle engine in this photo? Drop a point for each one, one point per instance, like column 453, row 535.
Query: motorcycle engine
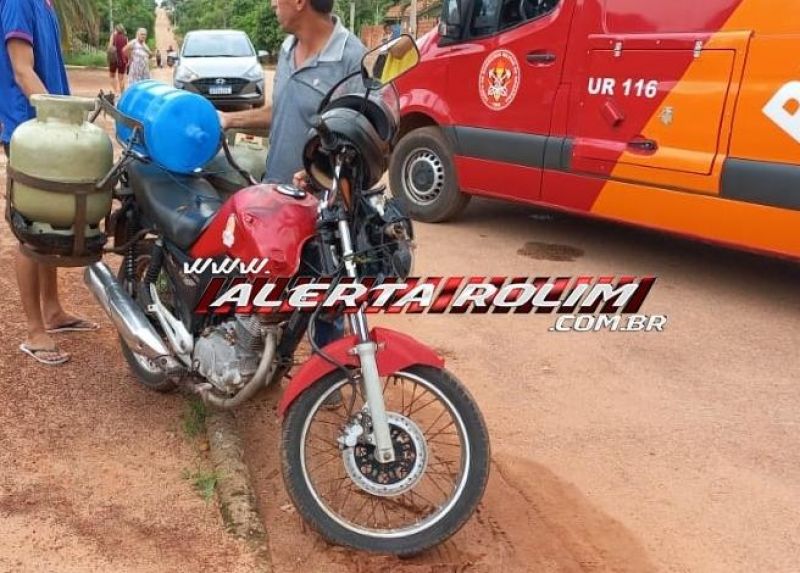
column 227, row 355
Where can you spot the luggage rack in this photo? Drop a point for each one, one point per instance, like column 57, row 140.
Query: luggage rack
column 82, row 250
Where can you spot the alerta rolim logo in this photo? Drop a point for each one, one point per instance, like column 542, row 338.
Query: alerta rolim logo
column 583, row 303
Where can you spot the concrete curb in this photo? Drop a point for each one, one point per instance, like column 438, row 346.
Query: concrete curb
column 237, row 499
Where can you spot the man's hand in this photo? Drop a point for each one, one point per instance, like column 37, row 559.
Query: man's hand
column 252, row 120
column 301, row 180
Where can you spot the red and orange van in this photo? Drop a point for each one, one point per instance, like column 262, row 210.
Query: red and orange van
column 682, row 116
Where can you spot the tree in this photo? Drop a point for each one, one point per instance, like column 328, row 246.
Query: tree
column 255, row 17
column 368, row 12
column 132, row 14
column 77, row 16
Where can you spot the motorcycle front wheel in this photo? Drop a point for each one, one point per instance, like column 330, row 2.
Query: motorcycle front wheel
column 404, row 507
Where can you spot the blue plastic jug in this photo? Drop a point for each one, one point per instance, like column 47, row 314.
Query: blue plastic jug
column 182, row 132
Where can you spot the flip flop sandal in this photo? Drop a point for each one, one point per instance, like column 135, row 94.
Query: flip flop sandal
column 37, row 354
column 77, row 325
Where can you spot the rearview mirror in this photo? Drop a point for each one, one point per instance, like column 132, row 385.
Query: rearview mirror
column 172, row 60
column 390, row 60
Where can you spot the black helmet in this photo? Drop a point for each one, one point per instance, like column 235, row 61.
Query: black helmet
column 367, row 125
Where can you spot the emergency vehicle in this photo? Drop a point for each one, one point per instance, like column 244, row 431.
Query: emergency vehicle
column 679, row 115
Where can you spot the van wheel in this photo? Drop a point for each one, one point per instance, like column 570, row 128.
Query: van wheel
column 423, row 177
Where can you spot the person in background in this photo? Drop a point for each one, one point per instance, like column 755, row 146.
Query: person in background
column 158, row 58
column 31, row 63
column 117, row 62
column 138, row 54
column 319, row 52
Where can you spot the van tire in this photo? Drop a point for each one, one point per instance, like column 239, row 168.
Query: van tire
column 423, row 177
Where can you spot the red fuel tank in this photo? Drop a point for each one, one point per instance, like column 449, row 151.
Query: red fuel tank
column 261, row 222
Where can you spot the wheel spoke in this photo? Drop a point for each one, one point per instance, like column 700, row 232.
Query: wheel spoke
column 436, row 421
column 324, row 463
column 441, row 431
column 346, row 497
column 435, row 399
column 413, row 399
column 436, row 484
column 333, row 448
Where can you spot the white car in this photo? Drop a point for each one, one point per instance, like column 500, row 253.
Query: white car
column 221, row 65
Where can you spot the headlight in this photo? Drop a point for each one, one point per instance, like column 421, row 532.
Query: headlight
column 185, row 74
column 254, row 73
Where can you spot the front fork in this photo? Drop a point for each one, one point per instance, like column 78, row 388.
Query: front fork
column 366, row 350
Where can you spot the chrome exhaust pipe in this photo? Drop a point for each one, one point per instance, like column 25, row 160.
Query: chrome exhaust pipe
column 127, row 316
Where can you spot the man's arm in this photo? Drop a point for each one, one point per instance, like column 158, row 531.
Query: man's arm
column 257, row 118
column 20, row 53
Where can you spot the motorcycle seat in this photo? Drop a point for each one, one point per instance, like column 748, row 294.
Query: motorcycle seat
column 180, row 206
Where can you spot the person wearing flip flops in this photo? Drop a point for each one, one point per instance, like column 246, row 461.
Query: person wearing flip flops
column 31, row 63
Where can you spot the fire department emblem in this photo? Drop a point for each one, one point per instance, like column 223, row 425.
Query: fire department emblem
column 499, row 80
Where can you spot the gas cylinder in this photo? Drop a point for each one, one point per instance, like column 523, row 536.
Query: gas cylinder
column 181, row 129
column 58, row 148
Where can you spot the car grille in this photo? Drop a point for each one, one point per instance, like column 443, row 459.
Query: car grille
column 237, row 84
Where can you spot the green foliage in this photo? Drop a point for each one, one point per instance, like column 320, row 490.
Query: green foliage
column 194, row 418
column 205, row 483
column 255, row 17
column 133, row 14
column 87, row 20
column 90, row 59
column 368, row 12
column 78, row 17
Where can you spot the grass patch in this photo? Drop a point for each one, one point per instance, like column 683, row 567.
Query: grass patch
column 194, row 418
column 204, row 483
column 91, row 59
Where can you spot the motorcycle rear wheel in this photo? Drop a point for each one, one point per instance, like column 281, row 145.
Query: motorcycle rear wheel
column 431, row 497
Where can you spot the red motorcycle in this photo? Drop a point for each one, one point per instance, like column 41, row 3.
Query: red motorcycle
column 383, row 449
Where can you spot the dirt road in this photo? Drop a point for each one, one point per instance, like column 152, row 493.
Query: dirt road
column 634, row 452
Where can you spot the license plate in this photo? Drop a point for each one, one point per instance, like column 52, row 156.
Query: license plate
column 220, row 90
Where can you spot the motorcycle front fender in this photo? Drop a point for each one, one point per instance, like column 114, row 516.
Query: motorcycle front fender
column 396, row 351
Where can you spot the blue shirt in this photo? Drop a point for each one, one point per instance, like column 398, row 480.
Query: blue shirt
column 297, row 93
column 35, row 22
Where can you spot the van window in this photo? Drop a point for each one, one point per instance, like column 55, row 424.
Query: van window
column 491, row 16
column 452, row 13
column 484, row 17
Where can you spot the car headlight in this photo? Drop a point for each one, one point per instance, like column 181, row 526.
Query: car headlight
column 254, row 73
column 185, row 74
